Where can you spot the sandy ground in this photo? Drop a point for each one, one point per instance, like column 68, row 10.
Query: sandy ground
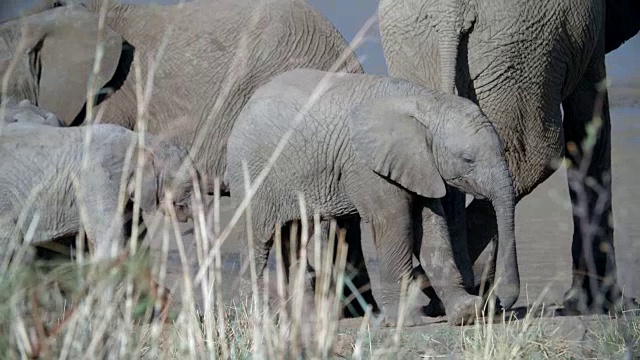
column 544, row 226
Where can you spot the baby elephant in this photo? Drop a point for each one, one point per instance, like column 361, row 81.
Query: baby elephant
column 382, row 149
column 25, row 112
column 52, row 183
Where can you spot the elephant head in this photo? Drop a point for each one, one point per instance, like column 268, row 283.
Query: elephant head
column 167, row 168
column 63, row 48
column 25, row 112
column 423, row 142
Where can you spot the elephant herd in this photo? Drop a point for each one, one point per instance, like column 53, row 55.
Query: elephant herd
column 482, row 99
column 54, row 184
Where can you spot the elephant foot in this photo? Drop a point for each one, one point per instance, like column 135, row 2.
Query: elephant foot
column 390, row 316
column 580, row 301
column 399, row 307
column 464, row 310
column 576, row 302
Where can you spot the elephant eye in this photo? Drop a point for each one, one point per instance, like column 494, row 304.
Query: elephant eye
column 468, row 158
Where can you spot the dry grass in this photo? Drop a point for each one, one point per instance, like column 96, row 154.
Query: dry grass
column 60, row 311
column 564, row 338
column 83, row 309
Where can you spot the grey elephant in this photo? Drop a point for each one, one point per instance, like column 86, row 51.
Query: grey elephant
column 521, row 62
column 382, row 149
column 24, row 111
column 52, row 185
column 213, row 54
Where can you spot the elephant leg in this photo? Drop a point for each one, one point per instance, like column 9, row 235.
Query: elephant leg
column 104, row 227
column 288, row 251
column 105, row 233
column 454, row 209
column 262, row 243
column 392, row 230
column 435, row 307
column 10, row 240
column 438, row 260
column 291, row 236
column 482, row 229
column 97, row 199
column 594, row 285
column 325, row 226
column 453, row 205
column 128, row 223
column 356, row 270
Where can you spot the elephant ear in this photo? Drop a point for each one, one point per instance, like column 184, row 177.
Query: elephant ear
column 622, row 22
column 387, row 136
column 64, row 56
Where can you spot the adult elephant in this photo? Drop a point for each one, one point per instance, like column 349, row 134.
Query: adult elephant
column 522, row 61
column 213, row 55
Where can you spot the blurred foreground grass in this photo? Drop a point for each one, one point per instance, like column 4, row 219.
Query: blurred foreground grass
column 59, row 310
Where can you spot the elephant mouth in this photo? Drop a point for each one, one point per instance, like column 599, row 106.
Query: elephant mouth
column 479, row 197
column 463, row 185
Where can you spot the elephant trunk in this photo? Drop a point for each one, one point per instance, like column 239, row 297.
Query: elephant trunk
column 453, row 19
column 505, row 261
column 448, row 49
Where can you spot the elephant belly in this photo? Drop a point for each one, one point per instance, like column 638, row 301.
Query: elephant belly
column 50, row 212
column 335, row 205
column 37, row 226
column 320, row 196
column 51, row 224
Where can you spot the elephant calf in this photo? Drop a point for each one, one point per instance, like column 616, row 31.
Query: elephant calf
column 51, row 182
column 25, row 112
column 382, row 149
